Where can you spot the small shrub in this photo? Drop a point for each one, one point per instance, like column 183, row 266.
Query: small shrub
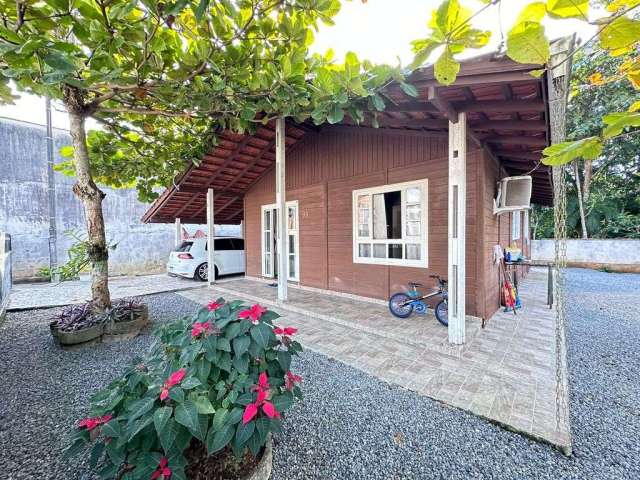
column 76, row 317
column 126, row 309
column 218, row 382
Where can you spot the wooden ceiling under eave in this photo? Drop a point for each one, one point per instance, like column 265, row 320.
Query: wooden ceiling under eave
column 507, row 114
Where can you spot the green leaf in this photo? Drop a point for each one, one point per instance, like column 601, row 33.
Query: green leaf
column 569, row 8
column 446, row 68
column 283, row 401
column 241, row 344
column 241, row 362
column 617, row 122
column 204, row 405
column 409, row 89
column 160, row 418
column 335, row 115
column 200, row 9
column 217, row 440
column 59, row 62
column 223, row 344
column 176, row 394
column 219, row 419
column 284, row 359
column 620, row 35
column 190, row 383
column 561, row 153
column 187, row 415
column 527, row 43
column 140, row 407
column 261, row 334
column 243, row 433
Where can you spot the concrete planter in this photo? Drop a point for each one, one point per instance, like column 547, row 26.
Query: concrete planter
column 263, row 469
column 125, row 330
column 76, row 337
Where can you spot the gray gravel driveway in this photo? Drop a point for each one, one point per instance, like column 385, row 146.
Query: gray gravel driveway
column 352, row 425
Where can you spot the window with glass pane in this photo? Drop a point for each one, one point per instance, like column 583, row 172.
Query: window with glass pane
column 364, row 208
column 291, row 218
column 390, row 224
column 364, row 250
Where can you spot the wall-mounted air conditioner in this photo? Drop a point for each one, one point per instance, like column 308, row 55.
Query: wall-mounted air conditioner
column 514, row 193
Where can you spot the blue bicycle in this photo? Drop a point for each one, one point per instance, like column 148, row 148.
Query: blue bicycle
column 403, row 304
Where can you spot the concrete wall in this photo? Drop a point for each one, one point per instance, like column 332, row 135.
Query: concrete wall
column 5, row 273
column 24, row 211
column 621, row 255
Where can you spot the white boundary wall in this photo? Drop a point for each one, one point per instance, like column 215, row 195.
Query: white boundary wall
column 614, row 254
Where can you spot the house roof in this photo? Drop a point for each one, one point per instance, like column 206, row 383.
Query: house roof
column 507, row 114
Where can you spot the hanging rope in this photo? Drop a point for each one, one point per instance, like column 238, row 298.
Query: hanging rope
column 558, row 88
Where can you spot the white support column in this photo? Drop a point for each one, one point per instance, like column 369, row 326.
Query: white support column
column 281, row 206
column 456, row 229
column 242, row 228
column 211, row 234
column 178, row 239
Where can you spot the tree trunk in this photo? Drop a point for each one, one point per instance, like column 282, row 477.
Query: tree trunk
column 583, row 220
column 588, row 170
column 91, row 196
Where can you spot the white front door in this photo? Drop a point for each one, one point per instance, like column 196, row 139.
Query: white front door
column 270, row 248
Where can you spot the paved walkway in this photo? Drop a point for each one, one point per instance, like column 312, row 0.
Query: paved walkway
column 44, row 295
column 505, row 372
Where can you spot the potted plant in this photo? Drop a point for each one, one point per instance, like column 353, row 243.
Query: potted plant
column 201, row 404
column 125, row 319
column 76, row 324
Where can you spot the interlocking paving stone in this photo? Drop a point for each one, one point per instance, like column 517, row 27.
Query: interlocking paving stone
column 44, row 295
column 505, row 372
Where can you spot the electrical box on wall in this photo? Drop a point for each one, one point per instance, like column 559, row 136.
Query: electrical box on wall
column 514, row 193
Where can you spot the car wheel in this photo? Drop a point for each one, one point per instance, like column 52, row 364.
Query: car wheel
column 202, row 272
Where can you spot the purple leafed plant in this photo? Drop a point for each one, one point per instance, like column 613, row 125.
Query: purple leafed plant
column 76, row 317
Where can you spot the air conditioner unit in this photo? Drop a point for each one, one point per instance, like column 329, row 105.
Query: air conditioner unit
column 514, row 193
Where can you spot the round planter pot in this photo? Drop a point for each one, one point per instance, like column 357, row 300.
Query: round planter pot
column 124, row 330
column 263, row 469
column 76, row 337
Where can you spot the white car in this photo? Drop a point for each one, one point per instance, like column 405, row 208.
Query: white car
column 190, row 259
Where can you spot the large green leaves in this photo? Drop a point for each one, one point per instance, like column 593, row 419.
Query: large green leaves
column 561, row 153
column 569, row 8
column 526, row 41
column 620, row 35
column 450, row 28
column 617, row 122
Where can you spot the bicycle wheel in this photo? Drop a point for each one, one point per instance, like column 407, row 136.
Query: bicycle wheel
column 397, row 307
column 442, row 312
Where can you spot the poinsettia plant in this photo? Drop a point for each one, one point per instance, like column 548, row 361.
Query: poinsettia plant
column 221, row 379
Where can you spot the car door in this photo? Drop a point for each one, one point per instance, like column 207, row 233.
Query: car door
column 224, row 256
column 238, row 254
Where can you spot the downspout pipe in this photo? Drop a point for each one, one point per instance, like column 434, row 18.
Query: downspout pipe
column 51, row 194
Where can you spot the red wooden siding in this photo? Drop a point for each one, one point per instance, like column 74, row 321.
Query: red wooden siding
column 322, row 172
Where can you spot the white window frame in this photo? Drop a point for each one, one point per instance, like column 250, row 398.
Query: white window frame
column 516, row 225
column 295, row 232
column 422, row 239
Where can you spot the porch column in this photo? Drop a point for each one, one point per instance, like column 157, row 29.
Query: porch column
column 211, row 250
column 178, row 233
column 281, row 205
column 456, row 228
column 242, row 228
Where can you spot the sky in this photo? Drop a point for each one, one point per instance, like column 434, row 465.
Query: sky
column 378, row 30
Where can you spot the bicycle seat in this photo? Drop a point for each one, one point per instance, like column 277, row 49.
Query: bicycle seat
column 415, row 284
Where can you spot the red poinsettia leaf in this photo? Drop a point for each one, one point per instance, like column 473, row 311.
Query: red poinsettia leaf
column 250, row 411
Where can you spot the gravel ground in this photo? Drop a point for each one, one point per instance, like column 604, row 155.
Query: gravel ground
column 351, row 425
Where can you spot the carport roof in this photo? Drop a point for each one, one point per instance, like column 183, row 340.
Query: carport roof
column 507, row 113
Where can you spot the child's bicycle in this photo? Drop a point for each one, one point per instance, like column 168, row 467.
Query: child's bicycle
column 403, row 304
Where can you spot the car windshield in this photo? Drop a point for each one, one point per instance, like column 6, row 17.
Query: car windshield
column 185, row 247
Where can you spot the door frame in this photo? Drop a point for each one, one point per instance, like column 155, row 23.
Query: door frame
column 273, row 208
